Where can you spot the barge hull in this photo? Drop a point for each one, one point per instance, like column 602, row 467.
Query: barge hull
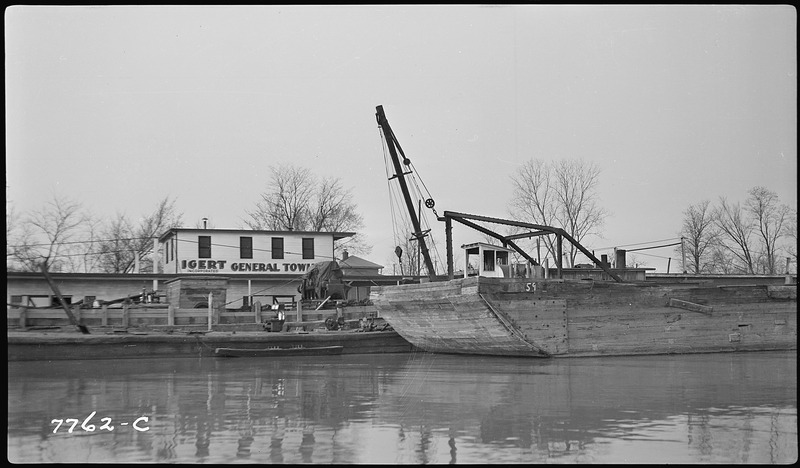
column 562, row 318
column 38, row 346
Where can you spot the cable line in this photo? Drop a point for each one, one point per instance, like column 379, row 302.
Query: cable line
column 654, row 247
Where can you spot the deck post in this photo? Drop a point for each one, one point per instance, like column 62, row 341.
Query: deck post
column 559, row 258
column 210, row 308
column 104, row 315
column 23, row 312
column 170, row 315
column 448, row 231
column 125, row 312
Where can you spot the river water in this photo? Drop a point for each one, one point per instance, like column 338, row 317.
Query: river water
column 414, row 408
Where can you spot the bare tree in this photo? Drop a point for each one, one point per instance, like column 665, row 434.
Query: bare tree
column 635, row 262
column 50, row 235
column 560, row 194
column 701, row 234
column 722, row 261
column 735, row 234
column 284, row 207
column 12, row 228
column 790, row 232
column 298, row 201
column 114, row 252
column 769, row 219
column 84, row 257
column 125, row 244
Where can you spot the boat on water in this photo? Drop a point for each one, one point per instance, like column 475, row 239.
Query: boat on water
column 500, row 311
column 55, row 345
column 278, row 351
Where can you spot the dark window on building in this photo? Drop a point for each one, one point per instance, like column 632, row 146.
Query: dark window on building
column 16, row 299
column 245, row 247
column 277, row 247
column 172, row 250
column 308, row 248
column 204, row 246
column 55, row 301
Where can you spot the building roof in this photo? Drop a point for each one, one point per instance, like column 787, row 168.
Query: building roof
column 486, row 246
column 336, row 235
column 357, row 262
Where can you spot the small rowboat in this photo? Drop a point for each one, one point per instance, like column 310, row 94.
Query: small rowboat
column 276, row 351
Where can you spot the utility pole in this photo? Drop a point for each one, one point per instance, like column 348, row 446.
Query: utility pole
column 683, row 255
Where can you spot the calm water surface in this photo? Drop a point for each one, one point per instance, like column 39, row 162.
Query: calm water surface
column 407, row 408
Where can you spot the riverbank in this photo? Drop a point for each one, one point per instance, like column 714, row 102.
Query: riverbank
column 65, row 343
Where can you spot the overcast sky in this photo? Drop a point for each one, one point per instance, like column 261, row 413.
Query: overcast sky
column 118, row 107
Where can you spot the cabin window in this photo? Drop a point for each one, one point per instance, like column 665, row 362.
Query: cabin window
column 245, row 247
column 488, row 260
column 308, row 248
column 277, row 247
column 204, row 246
column 502, row 258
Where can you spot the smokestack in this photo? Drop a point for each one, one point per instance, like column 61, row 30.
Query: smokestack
column 205, row 223
column 621, row 258
column 345, row 255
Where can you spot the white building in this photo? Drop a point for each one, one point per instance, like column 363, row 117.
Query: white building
column 255, row 266
column 239, row 252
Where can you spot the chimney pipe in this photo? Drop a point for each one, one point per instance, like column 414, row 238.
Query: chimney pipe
column 621, row 261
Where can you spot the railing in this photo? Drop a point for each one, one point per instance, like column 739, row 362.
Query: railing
column 131, row 315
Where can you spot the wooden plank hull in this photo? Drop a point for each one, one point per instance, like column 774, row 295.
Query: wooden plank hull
column 278, row 352
column 37, row 346
column 540, row 318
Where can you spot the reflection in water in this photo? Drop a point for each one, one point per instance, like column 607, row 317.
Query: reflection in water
column 409, row 408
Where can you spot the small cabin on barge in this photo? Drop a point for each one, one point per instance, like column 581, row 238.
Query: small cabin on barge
column 494, row 261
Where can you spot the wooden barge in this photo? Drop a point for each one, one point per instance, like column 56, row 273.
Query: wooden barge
column 543, row 318
column 54, row 346
column 598, row 314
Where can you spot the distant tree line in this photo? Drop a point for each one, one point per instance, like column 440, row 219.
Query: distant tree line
column 757, row 236
column 66, row 237
column 753, row 237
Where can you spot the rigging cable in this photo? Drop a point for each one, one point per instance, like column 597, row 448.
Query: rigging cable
column 414, row 186
column 392, row 197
